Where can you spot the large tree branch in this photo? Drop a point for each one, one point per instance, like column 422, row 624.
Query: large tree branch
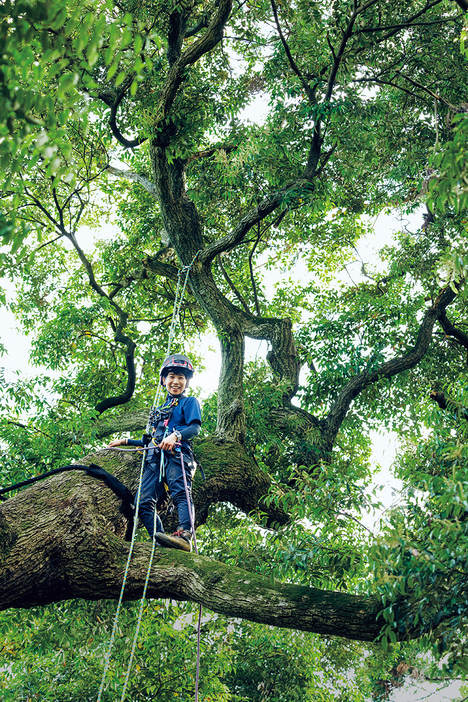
column 201, row 46
column 62, row 539
column 166, row 270
column 451, row 330
column 119, row 336
column 130, row 420
column 113, row 100
column 231, row 411
column 201, row 24
column 233, row 324
column 175, row 36
column 231, row 284
column 257, row 214
column 346, row 36
column 232, row 475
column 252, row 276
column 206, row 153
column 136, row 177
column 388, row 369
column 229, row 320
column 118, row 328
column 444, row 402
column 127, row 394
column 283, row 356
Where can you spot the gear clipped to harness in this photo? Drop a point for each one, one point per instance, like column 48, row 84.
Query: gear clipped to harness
column 162, row 413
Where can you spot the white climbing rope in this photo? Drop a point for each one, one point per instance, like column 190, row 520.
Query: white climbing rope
column 179, row 297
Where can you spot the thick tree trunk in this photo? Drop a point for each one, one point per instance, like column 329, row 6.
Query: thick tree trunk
column 62, row 539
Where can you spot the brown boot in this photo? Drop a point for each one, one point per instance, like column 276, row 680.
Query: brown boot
column 182, row 538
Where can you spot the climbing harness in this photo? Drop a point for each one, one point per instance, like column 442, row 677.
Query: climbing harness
column 179, row 296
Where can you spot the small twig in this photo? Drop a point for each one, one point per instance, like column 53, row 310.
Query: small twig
column 365, row 30
column 252, row 277
column 231, row 284
column 51, row 241
column 25, row 426
column 380, row 81
column 331, row 46
column 350, row 516
column 423, row 87
column 151, row 320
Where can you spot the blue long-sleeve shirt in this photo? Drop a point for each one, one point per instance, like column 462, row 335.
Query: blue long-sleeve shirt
column 185, row 417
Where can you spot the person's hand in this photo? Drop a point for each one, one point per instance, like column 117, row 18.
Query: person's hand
column 168, row 443
column 117, row 442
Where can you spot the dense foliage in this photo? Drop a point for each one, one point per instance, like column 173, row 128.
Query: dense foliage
column 131, row 119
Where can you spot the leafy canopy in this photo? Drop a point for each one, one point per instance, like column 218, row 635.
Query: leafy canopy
column 366, row 114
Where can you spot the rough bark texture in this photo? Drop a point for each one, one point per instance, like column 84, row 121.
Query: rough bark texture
column 232, row 476
column 132, row 421
column 62, row 539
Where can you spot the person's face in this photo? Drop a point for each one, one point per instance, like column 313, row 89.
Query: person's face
column 175, row 383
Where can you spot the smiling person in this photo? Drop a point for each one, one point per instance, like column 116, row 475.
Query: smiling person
column 174, row 424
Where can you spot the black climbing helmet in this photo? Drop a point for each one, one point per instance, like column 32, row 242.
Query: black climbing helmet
column 177, row 363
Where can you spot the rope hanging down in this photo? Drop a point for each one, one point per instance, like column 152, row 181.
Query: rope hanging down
column 179, row 296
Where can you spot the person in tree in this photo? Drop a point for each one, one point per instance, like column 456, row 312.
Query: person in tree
column 174, row 424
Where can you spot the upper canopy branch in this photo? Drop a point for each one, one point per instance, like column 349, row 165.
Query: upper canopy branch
column 201, row 24
column 405, row 25
column 410, row 22
column 130, row 347
column 137, row 177
column 201, row 46
column 380, row 81
column 388, row 369
column 257, row 214
column 206, row 153
column 231, row 284
column 113, row 100
column 119, row 336
column 451, row 330
column 338, row 54
column 308, row 90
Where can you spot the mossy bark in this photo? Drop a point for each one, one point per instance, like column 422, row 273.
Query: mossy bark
column 63, row 538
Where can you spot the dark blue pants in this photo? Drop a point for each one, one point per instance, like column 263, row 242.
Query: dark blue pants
column 152, row 488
